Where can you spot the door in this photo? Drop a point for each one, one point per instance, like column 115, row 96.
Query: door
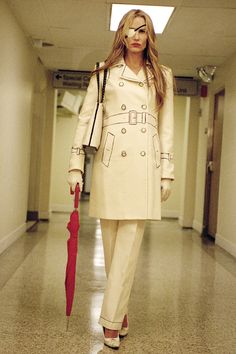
column 213, row 167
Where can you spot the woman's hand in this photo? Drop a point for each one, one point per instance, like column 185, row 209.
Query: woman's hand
column 165, row 189
column 74, row 177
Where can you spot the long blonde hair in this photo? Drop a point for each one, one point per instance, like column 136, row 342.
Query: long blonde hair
column 150, row 53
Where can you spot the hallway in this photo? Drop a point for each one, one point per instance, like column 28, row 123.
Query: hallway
column 184, row 293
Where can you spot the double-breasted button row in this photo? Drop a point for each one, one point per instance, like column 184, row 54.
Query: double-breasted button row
column 123, row 130
column 121, row 83
column 123, row 106
column 124, row 153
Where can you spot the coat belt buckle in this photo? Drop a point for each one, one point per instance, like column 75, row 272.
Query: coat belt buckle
column 132, row 117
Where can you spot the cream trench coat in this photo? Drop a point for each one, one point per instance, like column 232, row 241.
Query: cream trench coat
column 136, row 148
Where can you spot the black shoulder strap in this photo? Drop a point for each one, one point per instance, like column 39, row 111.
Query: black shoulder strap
column 97, row 74
column 103, row 84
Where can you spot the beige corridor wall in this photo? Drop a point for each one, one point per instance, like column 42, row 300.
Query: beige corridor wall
column 171, row 208
column 226, row 78
column 189, row 157
column 60, row 194
column 61, row 200
column 18, row 67
column 201, row 164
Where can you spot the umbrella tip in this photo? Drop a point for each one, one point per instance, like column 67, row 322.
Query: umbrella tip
column 67, row 323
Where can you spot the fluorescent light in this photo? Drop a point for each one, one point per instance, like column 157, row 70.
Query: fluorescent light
column 159, row 14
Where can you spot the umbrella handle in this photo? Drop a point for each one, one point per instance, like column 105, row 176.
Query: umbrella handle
column 76, row 192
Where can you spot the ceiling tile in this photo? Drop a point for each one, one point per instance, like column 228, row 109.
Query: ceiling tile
column 210, row 3
column 199, row 32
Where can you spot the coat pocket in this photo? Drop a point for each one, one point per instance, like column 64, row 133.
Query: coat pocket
column 108, row 147
column 156, row 146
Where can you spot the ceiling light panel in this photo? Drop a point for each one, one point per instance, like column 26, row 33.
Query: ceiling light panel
column 160, row 15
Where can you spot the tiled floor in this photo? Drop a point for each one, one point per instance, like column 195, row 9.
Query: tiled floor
column 183, row 299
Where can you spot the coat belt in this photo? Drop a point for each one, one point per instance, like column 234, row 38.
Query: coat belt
column 132, row 117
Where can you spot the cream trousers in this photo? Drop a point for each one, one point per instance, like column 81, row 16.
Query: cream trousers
column 121, row 244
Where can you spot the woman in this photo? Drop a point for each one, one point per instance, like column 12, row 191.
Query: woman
column 133, row 166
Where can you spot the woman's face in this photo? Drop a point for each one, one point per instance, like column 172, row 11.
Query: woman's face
column 136, row 38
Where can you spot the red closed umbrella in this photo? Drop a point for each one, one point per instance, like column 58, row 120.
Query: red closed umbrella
column 72, row 249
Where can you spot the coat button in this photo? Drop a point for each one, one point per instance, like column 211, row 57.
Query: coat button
column 123, row 130
column 123, row 153
column 144, row 106
column 121, row 83
column 142, row 153
column 143, row 130
column 123, row 107
column 141, row 84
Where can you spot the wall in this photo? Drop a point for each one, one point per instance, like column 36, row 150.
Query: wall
column 226, row 226
column 47, row 146
column 189, row 166
column 225, row 77
column 60, row 197
column 18, row 68
column 64, row 133
column 171, row 208
column 201, row 164
column 42, row 142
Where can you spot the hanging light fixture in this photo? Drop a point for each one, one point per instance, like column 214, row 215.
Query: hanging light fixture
column 206, row 73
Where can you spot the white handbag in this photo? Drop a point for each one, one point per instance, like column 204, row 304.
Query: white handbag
column 93, row 132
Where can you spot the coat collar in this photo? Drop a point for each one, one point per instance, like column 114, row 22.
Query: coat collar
column 127, row 74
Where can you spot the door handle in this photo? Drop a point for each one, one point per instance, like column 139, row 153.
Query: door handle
column 210, row 166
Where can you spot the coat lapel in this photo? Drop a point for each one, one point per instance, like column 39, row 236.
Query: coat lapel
column 127, row 74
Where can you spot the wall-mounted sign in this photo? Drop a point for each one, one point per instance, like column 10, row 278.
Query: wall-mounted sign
column 71, row 79
column 186, row 86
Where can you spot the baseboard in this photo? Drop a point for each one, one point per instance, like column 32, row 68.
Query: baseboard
column 225, row 244
column 12, row 237
column 197, row 226
column 184, row 224
column 44, row 215
column 169, row 213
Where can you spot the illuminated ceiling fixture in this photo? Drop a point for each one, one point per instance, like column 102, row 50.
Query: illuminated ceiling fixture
column 160, row 15
column 206, row 73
